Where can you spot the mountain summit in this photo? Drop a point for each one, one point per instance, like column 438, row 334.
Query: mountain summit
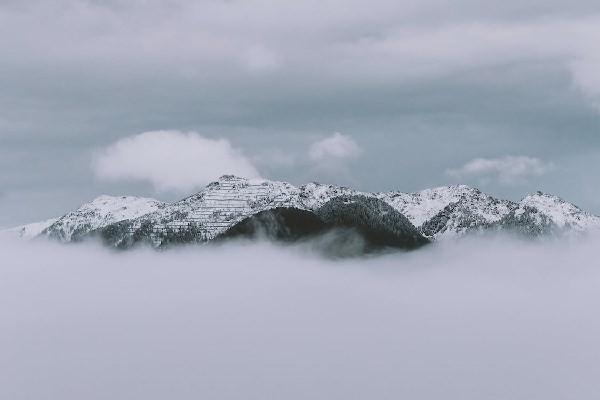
column 432, row 214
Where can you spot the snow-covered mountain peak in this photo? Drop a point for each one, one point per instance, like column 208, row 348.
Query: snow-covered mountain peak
column 101, row 211
column 453, row 192
column 441, row 212
column 540, row 198
column 29, row 231
column 421, row 206
column 314, row 194
column 560, row 212
column 120, row 207
column 468, row 209
column 228, row 178
column 111, row 201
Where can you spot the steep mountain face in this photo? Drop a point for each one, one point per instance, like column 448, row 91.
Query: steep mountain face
column 100, row 212
column 560, row 212
column 542, row 214
column 30, row 231
column 220, row 205
column 211, row 211
column 527, row 221
column 421, row 206
column 314, row 195
column 472, row 211
column 347, row 225
column 439, row 213
column 377, row 222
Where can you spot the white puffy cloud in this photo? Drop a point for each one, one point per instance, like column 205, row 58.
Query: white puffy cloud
column 336, row 146
column 507, row 170
column 171, row 160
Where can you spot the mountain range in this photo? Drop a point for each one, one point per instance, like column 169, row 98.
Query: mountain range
column 237, row 207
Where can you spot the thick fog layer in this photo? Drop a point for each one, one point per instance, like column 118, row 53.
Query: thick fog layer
column 491, row 319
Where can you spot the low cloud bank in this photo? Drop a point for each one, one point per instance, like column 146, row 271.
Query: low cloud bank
column 468, row 320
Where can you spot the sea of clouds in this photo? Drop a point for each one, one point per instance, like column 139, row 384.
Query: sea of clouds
column 478, row 319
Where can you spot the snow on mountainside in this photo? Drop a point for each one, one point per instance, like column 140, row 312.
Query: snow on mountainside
column 223, row 203
column 29, row 231
column 542, row 214
column 561, row 213
column 422, row 206
column 473, row 211
column 102, row 211
column 438, row 213
column 314, row 195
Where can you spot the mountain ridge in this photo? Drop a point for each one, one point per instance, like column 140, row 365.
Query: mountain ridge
column 439, row 213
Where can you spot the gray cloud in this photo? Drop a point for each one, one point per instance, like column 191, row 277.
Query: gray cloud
column 336, row 146
column 216, row 43
column 421, row 86
column 508, row 170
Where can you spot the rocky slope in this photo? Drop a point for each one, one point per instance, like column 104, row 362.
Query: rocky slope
column 542, row 214
column 29, row 231
column 469, row 211
column 100, row 212
column 438, row 213
column 346, row 225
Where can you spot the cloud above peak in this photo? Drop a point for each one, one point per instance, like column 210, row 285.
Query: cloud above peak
column 508, row 170
column 171, row 160
column 336, row 146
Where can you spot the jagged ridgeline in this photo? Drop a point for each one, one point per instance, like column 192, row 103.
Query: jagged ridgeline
column 237, row 206
column 368, row 223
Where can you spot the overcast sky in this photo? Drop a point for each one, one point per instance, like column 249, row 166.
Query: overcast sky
column 379, row 95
